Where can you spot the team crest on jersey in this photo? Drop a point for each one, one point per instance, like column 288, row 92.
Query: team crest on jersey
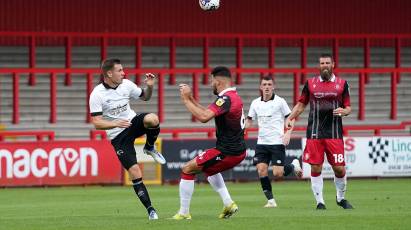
column 220, row 102
column 337, row 86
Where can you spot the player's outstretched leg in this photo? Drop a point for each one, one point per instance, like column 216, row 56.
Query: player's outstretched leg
column 142, row 193
column 217, row 182
column 186, row 192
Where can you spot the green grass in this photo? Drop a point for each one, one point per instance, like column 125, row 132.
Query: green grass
column 379, row 204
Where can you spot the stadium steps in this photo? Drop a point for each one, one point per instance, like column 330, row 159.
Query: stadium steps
column 71, row 100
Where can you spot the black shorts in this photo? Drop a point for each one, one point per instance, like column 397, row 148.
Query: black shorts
column 269, row 153
column 124, row 142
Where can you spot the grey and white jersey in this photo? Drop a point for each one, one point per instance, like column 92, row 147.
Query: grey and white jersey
column 270, row 115
column 114, row 103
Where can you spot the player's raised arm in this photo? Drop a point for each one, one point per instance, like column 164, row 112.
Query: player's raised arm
column 297, row 110
column 199, row 112
column 148, row 90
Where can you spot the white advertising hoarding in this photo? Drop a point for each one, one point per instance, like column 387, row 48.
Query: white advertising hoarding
column 372, row 156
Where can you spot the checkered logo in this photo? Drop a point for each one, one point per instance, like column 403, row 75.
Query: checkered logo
column 378, row 150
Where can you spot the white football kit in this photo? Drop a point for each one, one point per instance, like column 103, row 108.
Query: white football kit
column 270, row 115
column 114, row 104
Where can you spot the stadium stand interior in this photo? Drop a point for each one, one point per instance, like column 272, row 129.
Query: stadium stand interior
column 34, row 100
column 388, row 23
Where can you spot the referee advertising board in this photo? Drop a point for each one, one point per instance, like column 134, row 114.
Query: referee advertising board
column 181, row 151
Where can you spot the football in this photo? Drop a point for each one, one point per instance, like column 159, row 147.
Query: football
column 209, row 4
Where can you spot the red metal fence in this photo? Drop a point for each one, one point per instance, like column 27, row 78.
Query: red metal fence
column 269, row 41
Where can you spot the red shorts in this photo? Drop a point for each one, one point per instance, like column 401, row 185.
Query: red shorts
column 212, row 161
column 333, row 148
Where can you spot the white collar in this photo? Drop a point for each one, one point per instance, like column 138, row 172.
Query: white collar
column 226, row 90
column 332, row 78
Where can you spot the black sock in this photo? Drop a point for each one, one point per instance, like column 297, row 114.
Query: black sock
column 151, row 136
column 288, row 169
column 266, row 186
column 142, row 193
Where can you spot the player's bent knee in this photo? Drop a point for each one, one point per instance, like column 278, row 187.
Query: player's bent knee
column 151, row 120
column 186, row 169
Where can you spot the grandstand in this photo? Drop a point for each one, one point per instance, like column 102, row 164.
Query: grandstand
column 49, row 62
column 70, row 119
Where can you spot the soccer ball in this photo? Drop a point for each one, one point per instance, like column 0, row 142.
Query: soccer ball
column 209, row 4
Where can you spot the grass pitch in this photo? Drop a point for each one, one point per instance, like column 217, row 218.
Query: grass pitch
column 379, row 204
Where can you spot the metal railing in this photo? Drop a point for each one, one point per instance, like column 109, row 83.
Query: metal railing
column 269, row 41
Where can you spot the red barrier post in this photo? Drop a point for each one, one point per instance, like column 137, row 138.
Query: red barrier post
column 239, row 59
column 172, row 79
column 160, row 104
column 138, row 52
column 53, row 98
column 361, row 99
column 345, row 132
column 393, row 114
column 89, row 88
column 32, row 59
column 95, row 133
column 68, row 80
column 175, row 135
column 210, row 134
column 205, row 59
column 51, row 136
column 377, row 132
column 16, row 112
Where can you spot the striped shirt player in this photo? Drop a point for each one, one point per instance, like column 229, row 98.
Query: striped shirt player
column 230, row 150
column 329, row 99
column 110, row 110
column 271, row 110
column 324, row 97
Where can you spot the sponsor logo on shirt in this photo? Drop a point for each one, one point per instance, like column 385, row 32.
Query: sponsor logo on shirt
column 219, row 102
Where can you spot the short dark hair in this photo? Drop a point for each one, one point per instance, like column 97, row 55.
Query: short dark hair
column 108, row 64
column 326, row 55
column 267, row 78
column 221, row 71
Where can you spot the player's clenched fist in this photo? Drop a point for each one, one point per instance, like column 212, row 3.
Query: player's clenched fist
column 185, row 91
column 150, row 79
